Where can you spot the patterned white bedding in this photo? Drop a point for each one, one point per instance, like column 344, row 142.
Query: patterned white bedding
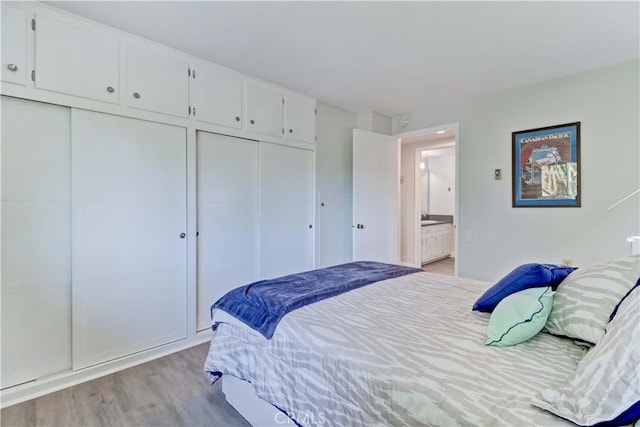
column 405, row 351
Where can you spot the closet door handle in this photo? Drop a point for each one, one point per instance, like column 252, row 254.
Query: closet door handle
column 253, row 122
column 136, row 95
column 183, row 235
column 110, row 89
column 237, row 118
column 12, row 67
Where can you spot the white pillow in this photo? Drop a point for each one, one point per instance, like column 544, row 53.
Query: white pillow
column 585, row 300
column 606, row 384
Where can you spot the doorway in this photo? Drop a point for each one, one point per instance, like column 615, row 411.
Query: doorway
column 429, row 197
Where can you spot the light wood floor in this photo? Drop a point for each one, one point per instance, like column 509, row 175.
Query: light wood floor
column 171, row 391
column 444, row 266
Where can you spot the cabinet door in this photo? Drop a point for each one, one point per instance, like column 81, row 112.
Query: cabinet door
column 129, row 253
column 264, row 110
column 286, row 210
column 157, row 82
column 14, row 44
column 428, row 240
column 76, row 61
column 299, row 118
column 448, row 232
column 216, row 96
column 227, row 183
column 438, row 241
column 36, row 240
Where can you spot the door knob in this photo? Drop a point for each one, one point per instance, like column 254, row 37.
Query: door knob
column 183, row 235
column 110, row 89
column 136, row 95
column 253, row 122
column 237, row 118
column 12, row 67
column 360, row 226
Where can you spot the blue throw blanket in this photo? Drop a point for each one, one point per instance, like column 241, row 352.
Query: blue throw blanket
column 262, row 304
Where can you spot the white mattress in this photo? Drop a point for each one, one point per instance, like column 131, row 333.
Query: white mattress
column 405, row 351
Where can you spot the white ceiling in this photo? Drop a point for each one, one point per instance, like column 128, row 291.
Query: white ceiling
column 387, row 56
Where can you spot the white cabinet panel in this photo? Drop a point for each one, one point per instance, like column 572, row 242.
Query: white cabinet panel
column 286, row 210
column 435, row 242
column 300, row 118
column 264, row 109
column 36, row 240
column 227, row 182
column 76, row 61
column 129, row 260
column 14, row 44
column 157, row 82
column 216, row 95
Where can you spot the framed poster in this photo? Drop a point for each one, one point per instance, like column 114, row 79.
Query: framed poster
column 546, row 166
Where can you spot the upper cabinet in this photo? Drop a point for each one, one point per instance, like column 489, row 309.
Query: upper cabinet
column 14, row 44
column 73, row 60
column 157, row 82
column 58, row 58
column 216, row 95
column 299, row 118
column 263, row 109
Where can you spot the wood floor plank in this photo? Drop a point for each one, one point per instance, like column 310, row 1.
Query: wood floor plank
column 171, row 391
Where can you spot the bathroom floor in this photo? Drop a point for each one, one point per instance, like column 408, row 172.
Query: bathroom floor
column 444, row 266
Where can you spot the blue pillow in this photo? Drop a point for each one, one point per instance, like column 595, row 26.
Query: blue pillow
column 524, row 277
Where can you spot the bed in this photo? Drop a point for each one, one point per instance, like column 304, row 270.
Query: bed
column 402, row 351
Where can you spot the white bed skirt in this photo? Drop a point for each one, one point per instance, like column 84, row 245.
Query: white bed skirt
column 241, row 395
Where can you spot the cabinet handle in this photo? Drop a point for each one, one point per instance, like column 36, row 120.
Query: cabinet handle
column 136, row 95
column 290, row 130
column 253, row 122
column 12, row 67
column 183, row 235
column 110, row 89
column 237, row 118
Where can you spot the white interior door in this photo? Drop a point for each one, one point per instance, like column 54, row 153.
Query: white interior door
column 129, row 259
column 286, row 210
column 376, row 197
column 227, row 182
column 36, row 240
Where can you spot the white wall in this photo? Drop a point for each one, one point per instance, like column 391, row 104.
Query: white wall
column 606, row 102
column 334, row 154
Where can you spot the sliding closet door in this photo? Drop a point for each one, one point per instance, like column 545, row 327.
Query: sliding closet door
column 227, row 182
column 36, row 241
column 286, row 210
column 129, row 250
